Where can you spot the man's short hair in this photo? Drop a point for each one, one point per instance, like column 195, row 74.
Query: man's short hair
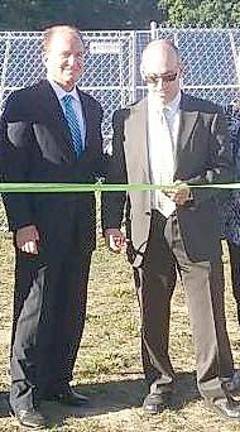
column 51, row 31
column 168, row 42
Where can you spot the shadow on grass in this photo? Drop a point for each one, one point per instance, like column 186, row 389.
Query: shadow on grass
column 186, row 390
column 115, row 396
column 104, row 398
column 4, row 407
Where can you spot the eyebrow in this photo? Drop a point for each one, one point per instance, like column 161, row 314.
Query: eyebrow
column 162, row 74
column 70, row 51
column 170, row 72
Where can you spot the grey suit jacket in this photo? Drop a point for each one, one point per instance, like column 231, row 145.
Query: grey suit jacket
column 202, row 157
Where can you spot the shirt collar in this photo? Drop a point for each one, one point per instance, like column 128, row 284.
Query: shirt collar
column 60, row 92
column 171, row 107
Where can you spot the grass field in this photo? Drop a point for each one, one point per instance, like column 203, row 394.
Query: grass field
column 108, row 367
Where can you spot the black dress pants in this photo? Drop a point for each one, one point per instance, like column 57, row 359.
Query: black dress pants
column 49, row 316
column 234, row 252
column 204, row 287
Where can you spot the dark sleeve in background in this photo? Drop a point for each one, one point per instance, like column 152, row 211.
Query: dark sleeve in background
column 112, row 207
column 221, row 167
column 16, row 139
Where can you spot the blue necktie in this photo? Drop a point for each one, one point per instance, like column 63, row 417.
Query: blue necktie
column 73, row 124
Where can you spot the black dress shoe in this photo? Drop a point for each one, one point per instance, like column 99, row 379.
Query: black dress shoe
column 68, row 397
column 226, row 407
column 155, row 403
column 31, row 418
column 233, row 384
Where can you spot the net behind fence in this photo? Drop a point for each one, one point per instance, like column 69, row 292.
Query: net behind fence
column 112, row 66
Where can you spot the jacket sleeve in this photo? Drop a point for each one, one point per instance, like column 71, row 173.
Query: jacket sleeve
column 16, row 139
column 219, row 165
column 101, row 160
column 113, row 202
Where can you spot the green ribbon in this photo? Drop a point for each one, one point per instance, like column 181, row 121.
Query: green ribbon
column 100, row 187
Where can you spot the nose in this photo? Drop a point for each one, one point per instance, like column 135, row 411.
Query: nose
column 71, row 60
column 160, row 83
column 74, row 60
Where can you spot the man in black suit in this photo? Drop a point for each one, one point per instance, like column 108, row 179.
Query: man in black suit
column 172, row 138
column 50, row 132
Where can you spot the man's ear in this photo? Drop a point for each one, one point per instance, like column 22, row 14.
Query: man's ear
column 142, row 71
column 181, row 75
column 44, row 59
column 181, row 69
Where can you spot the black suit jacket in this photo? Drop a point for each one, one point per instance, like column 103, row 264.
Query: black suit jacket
column 36, row 146
column 202, row 157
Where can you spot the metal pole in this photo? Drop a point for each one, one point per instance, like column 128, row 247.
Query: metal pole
column 153, row 30
column 4, row 69
column 132, row 66
column 236, row 57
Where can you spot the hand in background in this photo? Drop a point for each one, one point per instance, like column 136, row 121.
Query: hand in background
column 27, row 239
column 115, row 239
column 182, row 194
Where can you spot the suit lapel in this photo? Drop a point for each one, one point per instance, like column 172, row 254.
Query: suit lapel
column 136, row 147
column 87, row 113
column 188, row 118
column 54, row 115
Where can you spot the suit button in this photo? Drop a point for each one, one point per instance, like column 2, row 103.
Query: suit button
column 174, row 220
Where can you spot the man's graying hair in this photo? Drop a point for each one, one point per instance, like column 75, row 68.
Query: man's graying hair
column 51, row 31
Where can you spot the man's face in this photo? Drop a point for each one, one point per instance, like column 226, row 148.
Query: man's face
column 162, row 72
column 64, row 59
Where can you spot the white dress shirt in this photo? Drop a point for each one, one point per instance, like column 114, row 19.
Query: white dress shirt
column 163, row 126
column 76, row 103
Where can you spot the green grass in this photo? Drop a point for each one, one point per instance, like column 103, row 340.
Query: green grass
column 108, row 367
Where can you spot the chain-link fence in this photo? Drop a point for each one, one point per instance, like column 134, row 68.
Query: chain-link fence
column 112, row 64
column 209, row 60
column 108, row 67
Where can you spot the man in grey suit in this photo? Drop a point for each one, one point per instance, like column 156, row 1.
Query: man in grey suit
column 172, row 138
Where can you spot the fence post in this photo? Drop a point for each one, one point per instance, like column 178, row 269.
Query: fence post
column 153, row 30
column 4, row 68
column 235, row 55
column 132, row 66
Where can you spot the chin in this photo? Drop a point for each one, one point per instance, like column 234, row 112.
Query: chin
column 69, row 76
column 163, row 99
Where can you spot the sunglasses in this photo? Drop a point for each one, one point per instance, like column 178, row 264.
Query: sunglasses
column 154, row 78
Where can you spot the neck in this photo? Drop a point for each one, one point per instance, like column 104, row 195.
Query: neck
column 68, row 87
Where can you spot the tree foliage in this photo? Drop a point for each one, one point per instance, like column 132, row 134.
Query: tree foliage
column 116, row 14
column 86, row 14
column 211, row 13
